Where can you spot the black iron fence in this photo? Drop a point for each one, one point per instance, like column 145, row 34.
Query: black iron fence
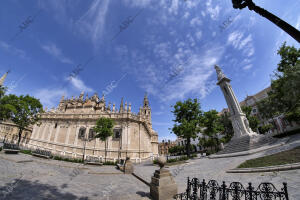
column 200, row 190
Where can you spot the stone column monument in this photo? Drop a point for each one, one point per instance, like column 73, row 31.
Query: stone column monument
column 239, row 121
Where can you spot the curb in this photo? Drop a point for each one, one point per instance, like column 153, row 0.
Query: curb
column 266, row 169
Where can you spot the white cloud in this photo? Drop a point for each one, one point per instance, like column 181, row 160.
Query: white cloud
column 247, row 67
column 212, row 11
column 246, row 41
column 186, row 15
column 15, row 51
column 80, row 85
column 139, row 3
column 53, row 50
column 50, row 97
column 199, row 35
column 237, row 40
column 298, row 24
column 195, row 22
column 234, row 38
column 92, row 22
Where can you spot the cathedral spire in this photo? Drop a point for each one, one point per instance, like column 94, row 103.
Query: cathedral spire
column 2, row 79
column 146, row 102
column 62, row 98
column 121, row 105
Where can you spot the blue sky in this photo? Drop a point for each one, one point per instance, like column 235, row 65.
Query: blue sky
column 58, row 35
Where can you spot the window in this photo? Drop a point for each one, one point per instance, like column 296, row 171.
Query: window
column 55, row 126
column 81, row 133
column 92, row 133
column 117, row 133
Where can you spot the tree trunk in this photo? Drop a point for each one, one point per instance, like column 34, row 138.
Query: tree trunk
column 188, row 142
column 20, row 134
column 94, row 147
column 277, row 21
column 105, row 151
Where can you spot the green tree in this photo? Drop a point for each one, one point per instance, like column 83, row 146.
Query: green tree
column 253, row 120
column 174, row 150
column 23, row 110
column 104, row 129
column 211, row 122
column 4, row 107
column 187, row 120
column 2, row 91
column 265, row 128
column 284, row 97
column 227, row 125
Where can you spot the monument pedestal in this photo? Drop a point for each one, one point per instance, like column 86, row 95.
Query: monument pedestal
column 128, row 168
column 162, row 186
column 245, row 145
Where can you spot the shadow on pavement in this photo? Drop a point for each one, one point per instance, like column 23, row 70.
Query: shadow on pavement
column 143, row 194
column 28, row 190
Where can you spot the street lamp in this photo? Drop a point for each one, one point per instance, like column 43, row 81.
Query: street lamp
column 240, row 4
column 85, row 137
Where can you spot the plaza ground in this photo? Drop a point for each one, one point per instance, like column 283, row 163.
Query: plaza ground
column 27, row 177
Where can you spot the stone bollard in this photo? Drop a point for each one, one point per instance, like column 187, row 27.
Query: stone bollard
column 221, row 146
column 128, row 167
column 162, row 186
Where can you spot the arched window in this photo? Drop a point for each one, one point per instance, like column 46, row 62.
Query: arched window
column 81, row 133
column 92, row 133
column 117, row 133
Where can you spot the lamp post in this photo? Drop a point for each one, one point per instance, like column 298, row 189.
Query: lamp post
column 84, row 144
column 240, row 4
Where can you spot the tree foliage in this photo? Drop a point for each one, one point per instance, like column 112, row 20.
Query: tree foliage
column 253, row 120
column 22, row 110
column 211, row 122
column 284, row 97
column 265, row 128
column 176, row 149
column 227, row 125
column 104, row 129
column 188, row 115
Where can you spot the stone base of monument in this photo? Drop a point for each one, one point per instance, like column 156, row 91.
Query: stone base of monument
column 246, row 145
column 128, row 167
column 162, row 186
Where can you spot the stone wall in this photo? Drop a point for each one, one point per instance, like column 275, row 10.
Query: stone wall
column 60, row 136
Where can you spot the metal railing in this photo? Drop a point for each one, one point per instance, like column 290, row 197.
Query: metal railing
column 200, row 190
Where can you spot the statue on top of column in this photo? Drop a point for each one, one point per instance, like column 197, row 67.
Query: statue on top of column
column 219, row 72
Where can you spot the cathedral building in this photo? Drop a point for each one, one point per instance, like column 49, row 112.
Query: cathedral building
column 67, row 130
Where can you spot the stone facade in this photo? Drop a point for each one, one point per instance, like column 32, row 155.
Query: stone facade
column 163, row 147
column 9, row 132
column 67, row 130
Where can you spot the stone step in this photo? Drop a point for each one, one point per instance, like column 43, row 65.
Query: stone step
column 246, row 143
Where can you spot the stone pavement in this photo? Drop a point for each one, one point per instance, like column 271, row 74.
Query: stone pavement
column 30, row 178
column 208, row 169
